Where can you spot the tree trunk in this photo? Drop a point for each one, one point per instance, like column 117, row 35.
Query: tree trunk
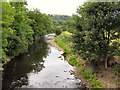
column 106, row 62
column 108, row 41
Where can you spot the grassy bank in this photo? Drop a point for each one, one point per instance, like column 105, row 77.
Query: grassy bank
column 65, row 41
column 91, row 78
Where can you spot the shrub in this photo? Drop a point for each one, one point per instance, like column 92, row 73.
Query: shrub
column 79, row 64
column 116, row 69
column 73, row 60
column 58, row 32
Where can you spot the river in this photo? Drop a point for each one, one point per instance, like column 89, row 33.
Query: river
column 42, row 66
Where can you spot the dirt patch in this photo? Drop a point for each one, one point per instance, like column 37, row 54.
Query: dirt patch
column 78, row 75
column 108, row 77
column 52, row 42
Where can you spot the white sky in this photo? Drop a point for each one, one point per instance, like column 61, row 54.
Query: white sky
column 63, row 7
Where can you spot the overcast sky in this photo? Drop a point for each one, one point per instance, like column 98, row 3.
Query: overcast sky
column 63, row 7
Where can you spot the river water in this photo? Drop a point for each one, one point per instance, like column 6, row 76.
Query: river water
column 43, row 66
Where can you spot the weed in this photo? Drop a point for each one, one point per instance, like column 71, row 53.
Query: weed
column 79, row 64
column 64, row 40
column 116, row 69
column 73, row 60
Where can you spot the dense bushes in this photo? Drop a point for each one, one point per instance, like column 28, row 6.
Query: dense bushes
column 21, row 27
column 57, row 30
column 116, row 69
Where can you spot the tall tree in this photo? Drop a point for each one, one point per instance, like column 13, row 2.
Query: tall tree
column 8, row 14
column 41, row 23
column 98, row 30
column 22, row 37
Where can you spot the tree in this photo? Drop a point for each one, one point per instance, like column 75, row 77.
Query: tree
column 22, row 37
column 20, row 27
column 70, row 27
column 8, row 14
column 41, row 23
column 97, row 26
column 61, row 23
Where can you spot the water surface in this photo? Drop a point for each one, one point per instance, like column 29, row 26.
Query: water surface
column 43, row 66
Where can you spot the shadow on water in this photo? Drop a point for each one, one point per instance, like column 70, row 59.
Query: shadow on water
column 15, row 72
column 40, row 67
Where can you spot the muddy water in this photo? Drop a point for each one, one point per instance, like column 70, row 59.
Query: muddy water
column 42, row 66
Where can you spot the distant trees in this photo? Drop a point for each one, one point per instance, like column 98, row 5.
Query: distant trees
column 20, row 27
column 97, row 30
column 60, row 17
column 61, row 23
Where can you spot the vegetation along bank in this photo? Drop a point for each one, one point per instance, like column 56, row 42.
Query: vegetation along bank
column 21, row 27
column 93, row 44
column 90, row 38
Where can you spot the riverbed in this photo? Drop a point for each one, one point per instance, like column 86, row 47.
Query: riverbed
column 42, row 66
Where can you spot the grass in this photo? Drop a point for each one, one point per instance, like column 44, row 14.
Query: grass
column 73, row 60
column 91, row 78
column 64, row 40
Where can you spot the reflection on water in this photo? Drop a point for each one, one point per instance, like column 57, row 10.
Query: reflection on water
column 40, row 67
column 15, row 72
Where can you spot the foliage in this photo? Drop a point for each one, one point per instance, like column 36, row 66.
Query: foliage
column 60, row 18
column 92, row 79
column 22, row 37
column 70, row 26
column 116, row 69
column 73, row 60
column 61, row 23
column 40, row 23
column 64, row 41
column 20, row 27
column 58, row 30
column 87, row 76
column 97, row 24
column 8, row 14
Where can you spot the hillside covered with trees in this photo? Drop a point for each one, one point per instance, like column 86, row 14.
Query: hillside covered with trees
column 62, row 23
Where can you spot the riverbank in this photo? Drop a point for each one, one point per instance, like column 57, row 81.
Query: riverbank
column 52, row 42
column 6, row 61
column 9, row 58
column 101, row 77
column 77, row 74
column 42, row 66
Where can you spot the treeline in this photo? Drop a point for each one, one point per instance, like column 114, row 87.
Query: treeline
column 62, row 23
column 20, row 27
column 60, row 18
column 97, row 34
